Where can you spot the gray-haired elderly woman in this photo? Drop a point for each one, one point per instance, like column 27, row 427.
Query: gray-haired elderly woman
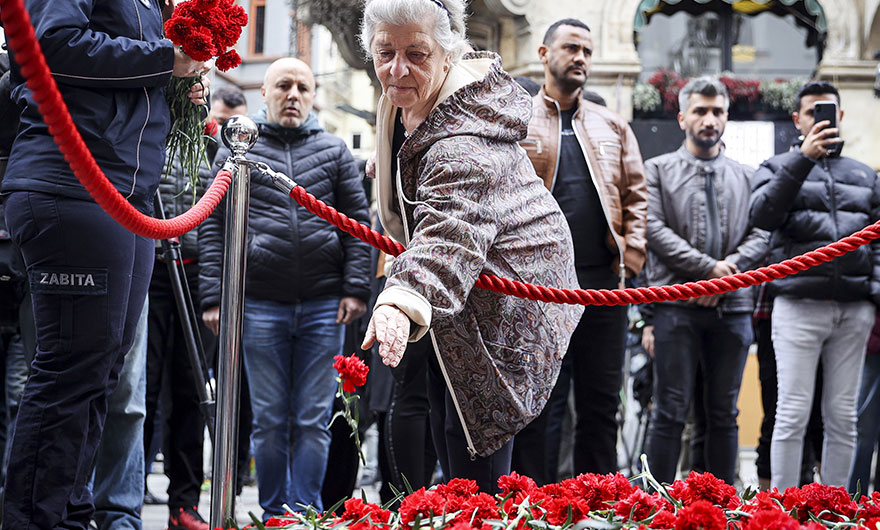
column 456, row 188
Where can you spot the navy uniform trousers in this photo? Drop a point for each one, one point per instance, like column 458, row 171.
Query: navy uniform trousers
column 89, row 278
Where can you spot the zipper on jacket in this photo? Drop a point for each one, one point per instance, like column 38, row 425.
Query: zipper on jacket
column 467, row 435
column 137, row 167
column 827, row 167
column 294, row 213
column 621, row 271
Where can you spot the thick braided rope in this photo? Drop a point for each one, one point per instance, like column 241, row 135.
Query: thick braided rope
column 23, row 41
column 639, row 295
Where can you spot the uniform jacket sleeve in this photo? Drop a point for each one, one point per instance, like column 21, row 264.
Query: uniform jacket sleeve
column 353, row 202
column 777, row 183
column 455, row 226
column 674, row 251
column 634, row 202
column 79, row 55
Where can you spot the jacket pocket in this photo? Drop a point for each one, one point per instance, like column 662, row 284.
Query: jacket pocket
column 537, row 152
column 608, row 149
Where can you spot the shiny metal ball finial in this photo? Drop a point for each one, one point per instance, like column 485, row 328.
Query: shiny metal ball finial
column 240, row 133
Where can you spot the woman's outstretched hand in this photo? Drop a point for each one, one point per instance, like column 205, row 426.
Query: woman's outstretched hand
column 389, row 326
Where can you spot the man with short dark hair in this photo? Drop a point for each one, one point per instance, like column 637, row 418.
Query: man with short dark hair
column 589, row 158
column 305, row 281
column 810, row 197
column 698, row 228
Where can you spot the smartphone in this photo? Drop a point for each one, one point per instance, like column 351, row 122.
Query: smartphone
column 827, row 110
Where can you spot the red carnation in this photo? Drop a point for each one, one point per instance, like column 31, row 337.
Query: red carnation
column 422, row 504
column 771, row 520
column 476, row 509
column 228, row 61
column 639, row 505
column 663, row 520
column 869, row 507
column 363, row 516
column 457, row 491
column 701, row 515
column 352, row 371
column 814, row 499
column 514, row 482
column 198, row 44
column 705, row 486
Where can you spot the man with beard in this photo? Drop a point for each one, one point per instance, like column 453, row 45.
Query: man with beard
column 305, row 280
column 698, row 228
column 809, row 197
column 589, row 159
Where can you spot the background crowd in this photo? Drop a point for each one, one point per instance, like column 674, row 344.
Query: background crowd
column 475, row 172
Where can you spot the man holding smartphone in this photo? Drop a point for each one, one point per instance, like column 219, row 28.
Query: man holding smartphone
column 810, row 197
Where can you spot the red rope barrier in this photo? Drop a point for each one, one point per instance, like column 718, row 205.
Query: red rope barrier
column 22, row 39
column 639, row 295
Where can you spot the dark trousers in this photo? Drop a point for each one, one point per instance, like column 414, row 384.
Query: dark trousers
column 409, row 448
column 684, row 338
column 89, row 278
column 450, row 441
column 170, row 373
column 594, row 363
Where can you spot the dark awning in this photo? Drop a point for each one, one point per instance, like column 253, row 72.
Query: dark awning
column 807, row 13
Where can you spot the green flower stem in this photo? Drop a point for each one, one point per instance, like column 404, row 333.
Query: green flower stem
column 185, row 144
column 351, row 415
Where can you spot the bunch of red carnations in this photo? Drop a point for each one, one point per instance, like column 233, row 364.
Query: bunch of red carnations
column 611, row 502
column 204, row 30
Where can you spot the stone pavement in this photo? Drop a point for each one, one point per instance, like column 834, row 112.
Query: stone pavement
column 155, row 516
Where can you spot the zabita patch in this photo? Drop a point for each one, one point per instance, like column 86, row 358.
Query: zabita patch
column 68, row 281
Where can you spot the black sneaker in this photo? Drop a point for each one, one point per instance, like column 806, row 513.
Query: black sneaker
column 186, row 519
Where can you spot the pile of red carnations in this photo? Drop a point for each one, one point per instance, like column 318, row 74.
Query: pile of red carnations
column 702, row 502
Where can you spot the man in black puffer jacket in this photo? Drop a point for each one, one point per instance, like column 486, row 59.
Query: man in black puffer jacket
column 808, row 198
column 305, row 280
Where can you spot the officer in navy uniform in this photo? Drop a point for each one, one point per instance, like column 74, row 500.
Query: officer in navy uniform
column 88, row 274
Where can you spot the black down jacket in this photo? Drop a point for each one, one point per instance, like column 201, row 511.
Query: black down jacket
column 810, row 204
column 294, row 255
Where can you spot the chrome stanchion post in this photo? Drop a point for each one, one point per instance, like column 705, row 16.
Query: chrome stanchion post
column 239, row 135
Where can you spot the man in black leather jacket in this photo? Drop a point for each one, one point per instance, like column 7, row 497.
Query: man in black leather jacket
column 809, row 198
column 305, row 280
column 698, row 228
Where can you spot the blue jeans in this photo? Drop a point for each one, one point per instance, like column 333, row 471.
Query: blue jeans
column 685, row 337
column 119, row 469
column 868, row 425
column 805, row 330
column 89, row 279
column 288, row 355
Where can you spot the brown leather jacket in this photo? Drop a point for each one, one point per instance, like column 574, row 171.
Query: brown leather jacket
column 615, row 164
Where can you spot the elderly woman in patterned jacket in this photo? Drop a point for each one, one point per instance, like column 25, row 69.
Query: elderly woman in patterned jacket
column 457, row 190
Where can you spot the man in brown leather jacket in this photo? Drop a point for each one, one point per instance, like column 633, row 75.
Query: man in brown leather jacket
column 589, row 158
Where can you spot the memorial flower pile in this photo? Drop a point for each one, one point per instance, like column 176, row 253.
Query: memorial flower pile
column 203, row 30
column 609, row 502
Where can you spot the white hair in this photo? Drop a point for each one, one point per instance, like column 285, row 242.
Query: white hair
column 445, row 26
